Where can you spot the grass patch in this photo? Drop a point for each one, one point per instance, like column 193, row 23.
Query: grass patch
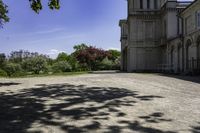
column 47, row 75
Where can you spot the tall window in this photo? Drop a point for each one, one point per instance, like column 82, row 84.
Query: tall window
column 188, row 24
column 165, row 28
column 148, row 4
column 141, row 4
column 155, row 4
column 198, row 19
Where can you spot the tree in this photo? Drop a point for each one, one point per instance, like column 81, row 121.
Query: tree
column 3, row 13
column 13, row 69
column 106, row 64
column 36, row 6
column 91, row 56
column 2, row 60
column 62, row 57
column 80, row 47
column 35, row 64
column 115, row 54
column 62, row 66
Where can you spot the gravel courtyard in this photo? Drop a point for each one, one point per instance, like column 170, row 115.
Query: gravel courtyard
column 100, row 103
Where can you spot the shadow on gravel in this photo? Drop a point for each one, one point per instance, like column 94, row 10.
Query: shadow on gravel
column 106, row 72
column 196, row 129
column 8, row 84
column 19, row 111
column 195, row 79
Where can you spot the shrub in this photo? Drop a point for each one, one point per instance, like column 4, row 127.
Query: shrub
column 3, row 73
column 106, row 64
column 61, row 66
column 117, row 64
column 74, row 63
column 13, row 69
column 2, row 59
column 36, row 64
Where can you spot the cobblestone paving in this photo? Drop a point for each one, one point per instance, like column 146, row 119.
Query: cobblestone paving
column 100, row 103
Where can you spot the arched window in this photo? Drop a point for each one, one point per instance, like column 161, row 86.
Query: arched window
column 172, row 57
column 198, row 48
column 188, row 44
column 179, row 56
column 148, row 4
column 155, row 4
column 141, row 4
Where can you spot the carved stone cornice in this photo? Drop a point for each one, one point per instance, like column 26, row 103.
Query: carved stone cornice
column 145, row 16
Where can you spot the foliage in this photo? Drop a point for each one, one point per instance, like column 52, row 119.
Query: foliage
column 61, row 66
column 79, row 47
column 74, row 63
column 91, row 56
column 106, row 64
column 116, row 65
column 3, row 13
column 84, row 58
column 36, row 64
column 36, row 6
column 62, row 57
column 19, row 56
column 13, row 69
column 115, row 54
column 2, row 60
column 3, row 73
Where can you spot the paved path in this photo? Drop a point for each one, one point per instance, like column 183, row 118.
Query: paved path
column 100, row 103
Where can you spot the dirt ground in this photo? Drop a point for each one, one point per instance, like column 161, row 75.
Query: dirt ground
column 102, row 102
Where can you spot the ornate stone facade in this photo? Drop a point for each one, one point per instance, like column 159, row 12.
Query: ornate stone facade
column 160, row 35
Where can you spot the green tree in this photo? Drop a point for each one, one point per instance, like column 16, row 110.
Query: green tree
column 2, row 60
column 36, row 64
column 79, row 47
column 13, row 69
column 36, row 6
column 62, row 57
column 106, row 64
column 62, row 66
column 114, row 54
column 3, row 13
column 2, row 73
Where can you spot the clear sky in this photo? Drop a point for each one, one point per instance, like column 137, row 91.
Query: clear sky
column 94, row 22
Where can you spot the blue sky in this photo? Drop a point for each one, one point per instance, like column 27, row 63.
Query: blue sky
column 94, row 22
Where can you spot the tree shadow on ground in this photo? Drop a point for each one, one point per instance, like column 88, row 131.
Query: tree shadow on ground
column 60, row 105
column 8, row 84
column 196, row 129
column 156, row 117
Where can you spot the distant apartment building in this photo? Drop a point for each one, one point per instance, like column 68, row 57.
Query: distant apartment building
column 161, row 35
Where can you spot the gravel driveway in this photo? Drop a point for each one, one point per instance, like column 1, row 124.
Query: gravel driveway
column 101, row 102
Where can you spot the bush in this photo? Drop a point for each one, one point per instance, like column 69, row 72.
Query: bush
column 13, row 69
column 74, row 63
column 36, row 64
column 106, row 64
column 61, row 66
column 2, row 73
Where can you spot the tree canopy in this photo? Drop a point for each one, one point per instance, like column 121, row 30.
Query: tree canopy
column 36, row 6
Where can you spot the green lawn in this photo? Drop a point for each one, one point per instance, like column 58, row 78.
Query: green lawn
column 54, row 74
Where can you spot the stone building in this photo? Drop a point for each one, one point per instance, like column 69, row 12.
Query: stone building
column 161, row 35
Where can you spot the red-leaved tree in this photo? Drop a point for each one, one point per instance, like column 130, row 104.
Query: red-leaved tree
column 92, row 57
